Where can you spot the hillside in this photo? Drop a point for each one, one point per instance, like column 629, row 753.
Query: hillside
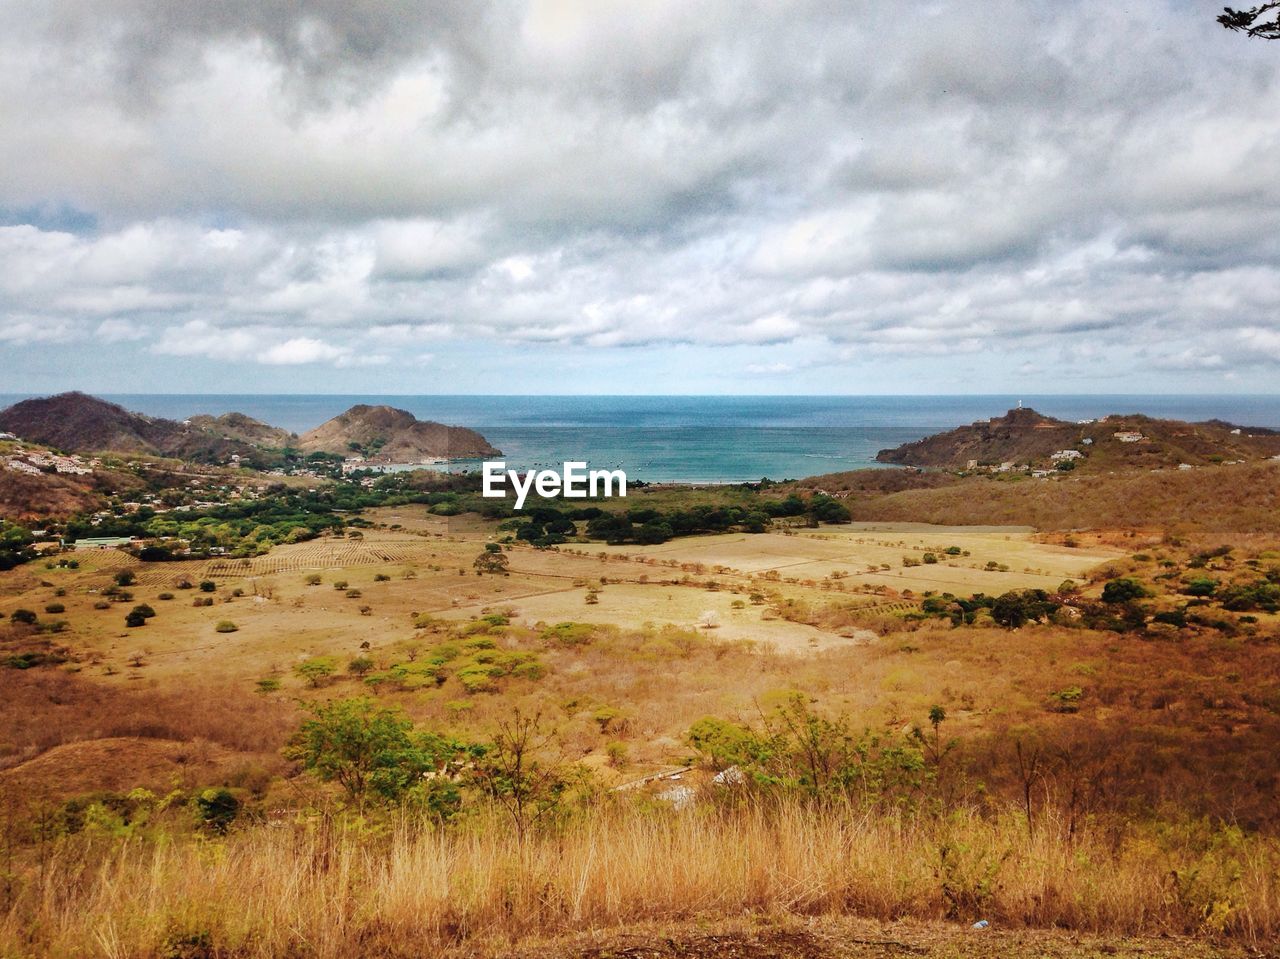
column 1225, row 498
column 388, row 435
column 77, row 423
column 244, row 429
column 1023, row 437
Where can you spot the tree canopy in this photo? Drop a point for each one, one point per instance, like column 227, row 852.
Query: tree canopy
column 1260, row 21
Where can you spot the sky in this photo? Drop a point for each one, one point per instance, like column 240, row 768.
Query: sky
column 596, row 196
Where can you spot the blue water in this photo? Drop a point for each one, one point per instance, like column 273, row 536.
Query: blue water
column 705, row 438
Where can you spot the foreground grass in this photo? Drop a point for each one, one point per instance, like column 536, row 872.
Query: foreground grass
column 321, row 888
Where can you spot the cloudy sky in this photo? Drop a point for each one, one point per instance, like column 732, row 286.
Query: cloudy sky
column 819, row 196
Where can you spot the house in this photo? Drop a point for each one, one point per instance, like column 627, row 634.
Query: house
column 1063, row 456
column 1129, row 436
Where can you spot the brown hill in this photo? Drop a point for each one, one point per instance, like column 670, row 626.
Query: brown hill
column 77, row 423
column 244, row 429
column 28, row 498
column 388, row 435
column 1027, row 438
column 1239, row 498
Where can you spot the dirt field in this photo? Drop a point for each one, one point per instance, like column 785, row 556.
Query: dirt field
column 426, row 566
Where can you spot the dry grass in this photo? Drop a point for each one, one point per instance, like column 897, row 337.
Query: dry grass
column 314, row 889
column 1171, row 499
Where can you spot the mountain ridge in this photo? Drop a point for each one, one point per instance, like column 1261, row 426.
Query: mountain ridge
column 1023, row 437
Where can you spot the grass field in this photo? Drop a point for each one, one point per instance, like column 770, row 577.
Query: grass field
column 281, row 619
column 1121, row 832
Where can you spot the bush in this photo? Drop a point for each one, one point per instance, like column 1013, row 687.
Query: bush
column 125, row 578
column 1020, row 606
column 216, row 809
column 208, row 586
column 1123, row 590
column 134, row 619
column 226, row 626
column 24, row 617
column 55, row 608
column 316, row 670
column 165, row 596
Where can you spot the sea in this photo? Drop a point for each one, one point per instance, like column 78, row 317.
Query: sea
column 703, row 439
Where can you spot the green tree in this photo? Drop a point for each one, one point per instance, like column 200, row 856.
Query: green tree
column 492, row 560
column 1123, row 590
column 1021, row 606
column 374, row 752
column 316, row 670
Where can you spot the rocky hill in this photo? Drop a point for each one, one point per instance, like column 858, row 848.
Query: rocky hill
column 244, row 429
column 388, row 435
column 77, row 423
column 1025, row 438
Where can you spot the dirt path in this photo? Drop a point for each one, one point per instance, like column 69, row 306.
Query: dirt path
column 841, row 938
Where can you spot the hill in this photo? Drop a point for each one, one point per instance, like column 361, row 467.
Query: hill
column 77, row 423
column 1023, row 437
column 1222, row 498
column 244, row 429
column 388, row 435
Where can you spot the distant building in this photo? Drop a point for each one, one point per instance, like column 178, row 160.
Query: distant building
column 1129, row 436
column 102, row 542
column 1063, row 456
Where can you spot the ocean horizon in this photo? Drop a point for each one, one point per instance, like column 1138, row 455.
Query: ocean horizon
column 702, row 439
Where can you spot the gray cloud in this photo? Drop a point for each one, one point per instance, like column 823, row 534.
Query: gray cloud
column 340, row 182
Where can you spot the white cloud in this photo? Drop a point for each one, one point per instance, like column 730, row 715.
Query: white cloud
column 347, row 185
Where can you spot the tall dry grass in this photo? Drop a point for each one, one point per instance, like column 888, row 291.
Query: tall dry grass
column 322, row 890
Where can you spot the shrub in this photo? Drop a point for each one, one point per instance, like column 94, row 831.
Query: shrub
column 165, row 596
column 1020, row 606
column 208, row 586
column 268, row 684
column 125, row 578
column 135, row 619
column 226, row 626
column 316, row 670
column 216, row 809
column 55, row 608
column 1123, row 590
column 24, row 617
